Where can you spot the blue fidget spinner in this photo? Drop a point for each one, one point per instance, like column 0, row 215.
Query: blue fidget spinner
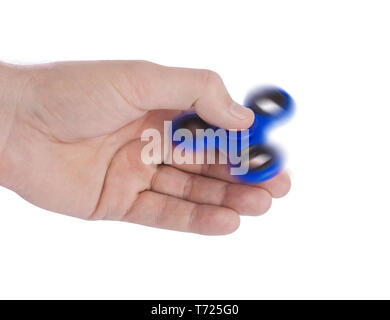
column 270, row 105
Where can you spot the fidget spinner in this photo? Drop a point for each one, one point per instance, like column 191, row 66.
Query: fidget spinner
column 271, row 105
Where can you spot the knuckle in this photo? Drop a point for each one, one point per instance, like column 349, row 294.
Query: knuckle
column 213, row 86
column 140, row 88
column 211, row 78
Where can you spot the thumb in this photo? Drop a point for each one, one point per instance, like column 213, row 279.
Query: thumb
column 183, row 89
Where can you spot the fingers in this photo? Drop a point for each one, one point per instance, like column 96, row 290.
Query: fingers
column 278, row 186
column 160, row 87
column 244, row 199
column 163, row 211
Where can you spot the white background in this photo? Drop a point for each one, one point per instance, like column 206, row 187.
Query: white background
column 329, row 238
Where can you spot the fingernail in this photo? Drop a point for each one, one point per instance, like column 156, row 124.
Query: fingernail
column 240, row 112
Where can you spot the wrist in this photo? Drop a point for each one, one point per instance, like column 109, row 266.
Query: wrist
column 10, row 92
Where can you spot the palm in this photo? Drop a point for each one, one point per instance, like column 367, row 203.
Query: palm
column 95, row 177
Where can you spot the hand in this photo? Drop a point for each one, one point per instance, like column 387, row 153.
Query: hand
column 71, row 144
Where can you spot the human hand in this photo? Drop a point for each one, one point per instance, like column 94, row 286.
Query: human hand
column 71, row 144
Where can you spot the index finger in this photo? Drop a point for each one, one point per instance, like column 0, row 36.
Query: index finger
column 163, row 87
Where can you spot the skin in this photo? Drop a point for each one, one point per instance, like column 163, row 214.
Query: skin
column 70, row 143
